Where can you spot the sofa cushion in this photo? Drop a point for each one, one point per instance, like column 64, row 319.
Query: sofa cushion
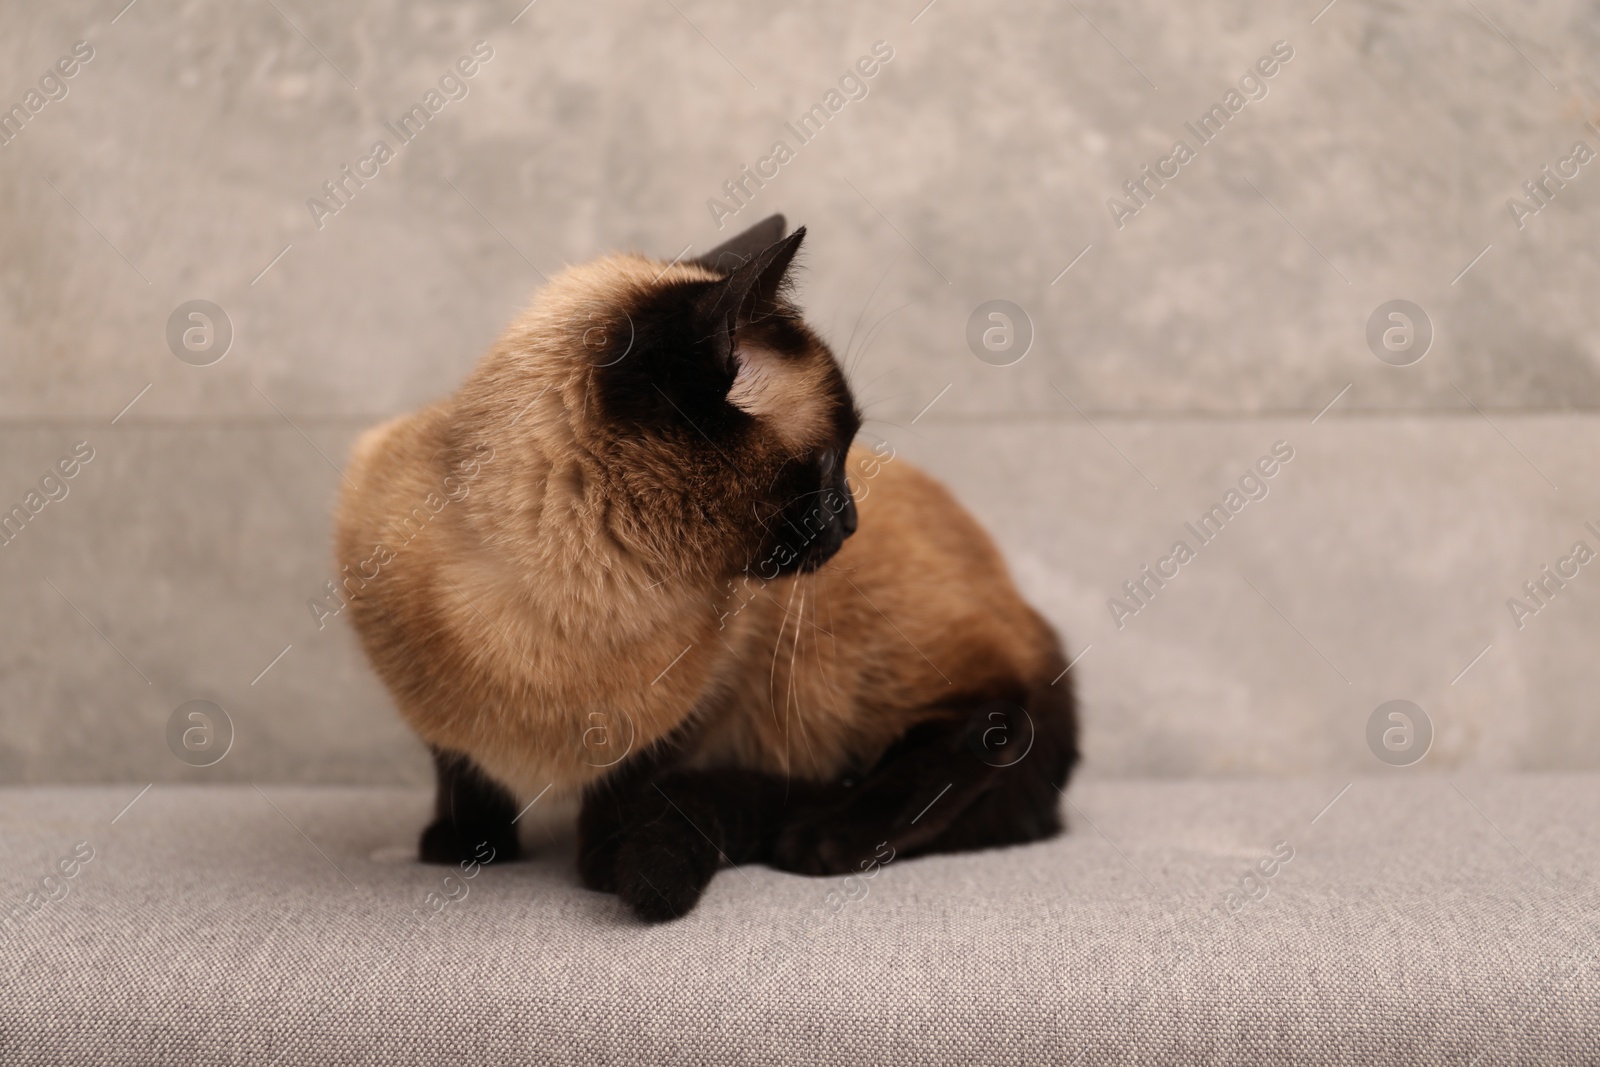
column 1413, row 921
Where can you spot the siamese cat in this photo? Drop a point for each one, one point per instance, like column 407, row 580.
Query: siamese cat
column 638, row 560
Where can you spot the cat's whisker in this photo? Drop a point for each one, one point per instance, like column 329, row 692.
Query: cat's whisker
column 896, row 425
column 858, row 389
column 772, row 677
column 794, row 651
column 864, row 308
column 872, row 333
column 870, row 404
column 817, row 647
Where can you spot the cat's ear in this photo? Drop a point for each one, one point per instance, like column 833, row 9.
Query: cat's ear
column 755, row 283
column 736, row 250
column 748, row 292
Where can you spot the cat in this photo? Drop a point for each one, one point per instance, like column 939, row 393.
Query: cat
column 638, row 561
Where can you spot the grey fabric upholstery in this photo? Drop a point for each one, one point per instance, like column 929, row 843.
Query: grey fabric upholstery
column 1418, row 921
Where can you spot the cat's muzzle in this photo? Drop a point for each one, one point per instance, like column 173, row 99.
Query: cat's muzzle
column 826, row 525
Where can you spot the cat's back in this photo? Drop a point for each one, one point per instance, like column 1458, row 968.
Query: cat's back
column 917, row 609
column 391, row 472
column 927, row 565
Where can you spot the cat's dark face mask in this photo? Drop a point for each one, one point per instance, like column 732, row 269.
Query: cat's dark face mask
column 751, row 410
column 810, row 510
column 814, row 525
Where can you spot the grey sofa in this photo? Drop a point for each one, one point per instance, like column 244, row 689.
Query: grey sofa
column 1412, row 920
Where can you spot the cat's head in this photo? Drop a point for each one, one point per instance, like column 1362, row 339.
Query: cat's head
column 715, row 422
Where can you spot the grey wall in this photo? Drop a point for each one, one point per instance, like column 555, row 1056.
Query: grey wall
column 1221, row 318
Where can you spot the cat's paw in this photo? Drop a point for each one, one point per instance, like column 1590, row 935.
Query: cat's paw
column 597, row 865
column 444, row 842
column 662, row 868
column 601, row 824
column 820, row 849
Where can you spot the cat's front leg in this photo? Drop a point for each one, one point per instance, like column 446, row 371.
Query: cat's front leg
column 472, row 817
column 658, row 840
column 609, row 806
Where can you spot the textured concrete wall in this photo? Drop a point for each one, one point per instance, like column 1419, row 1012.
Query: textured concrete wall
column 1173, row 340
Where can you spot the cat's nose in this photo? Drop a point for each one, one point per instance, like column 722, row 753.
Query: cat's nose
column 847, row 516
